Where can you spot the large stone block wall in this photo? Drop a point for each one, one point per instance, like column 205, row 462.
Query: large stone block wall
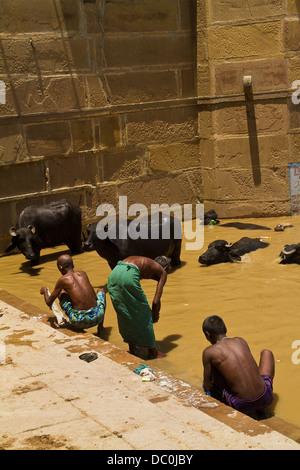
column 106, row 98
column 248, row 141
column 100, row 102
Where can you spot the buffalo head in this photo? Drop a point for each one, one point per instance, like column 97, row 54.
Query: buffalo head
column 219, row 251
column 27, row 241
column 91, row 235
column 290, row 254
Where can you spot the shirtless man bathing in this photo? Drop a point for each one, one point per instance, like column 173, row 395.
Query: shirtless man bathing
column 76, row 296
column 231, row 374
column 135, row 316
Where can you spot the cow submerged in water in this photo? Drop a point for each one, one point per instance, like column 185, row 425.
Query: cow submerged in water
column 290, row 254
column 220, row 251
column 46, row 226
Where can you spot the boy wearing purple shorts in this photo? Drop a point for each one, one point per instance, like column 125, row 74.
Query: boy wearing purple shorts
column 231, row 374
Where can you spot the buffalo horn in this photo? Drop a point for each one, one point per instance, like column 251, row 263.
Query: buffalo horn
column 31, row 228
column 13, row 231
column 285, row 252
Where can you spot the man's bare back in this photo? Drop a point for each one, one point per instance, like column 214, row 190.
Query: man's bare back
column 74, row 284
column 77, row 285
column 233, row 363
column 229, row 364
column 149, row 269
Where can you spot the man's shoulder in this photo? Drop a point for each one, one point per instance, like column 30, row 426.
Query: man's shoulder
column 239, row 339
column 77, row 274
column 208, row 350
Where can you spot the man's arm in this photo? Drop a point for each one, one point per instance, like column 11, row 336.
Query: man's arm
column 207, row 372
column 158, row 293
column 49, row 299
column 150, row 269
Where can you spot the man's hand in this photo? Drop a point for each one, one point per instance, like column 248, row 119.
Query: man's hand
column 155, row 312
column 103, row 289
column 46, row 294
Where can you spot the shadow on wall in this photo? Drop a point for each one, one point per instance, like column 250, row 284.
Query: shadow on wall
column 69, row 59
column 253, row 140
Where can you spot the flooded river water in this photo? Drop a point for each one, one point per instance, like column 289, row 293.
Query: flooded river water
column 257, row 297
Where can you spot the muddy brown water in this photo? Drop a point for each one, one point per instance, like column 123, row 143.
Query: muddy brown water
column 257, row 297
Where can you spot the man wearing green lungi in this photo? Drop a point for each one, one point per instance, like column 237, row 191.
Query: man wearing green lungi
column 135, row 316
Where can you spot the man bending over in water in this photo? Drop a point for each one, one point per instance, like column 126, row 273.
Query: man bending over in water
column 231, row 374
column 77, row 297
column 135, row 316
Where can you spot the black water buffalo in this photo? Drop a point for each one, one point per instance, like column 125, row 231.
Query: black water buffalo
column 46, row 226
column 282, row 227
column 245, row 226
column 290, row 254
column 220, row 251
column 113, row 248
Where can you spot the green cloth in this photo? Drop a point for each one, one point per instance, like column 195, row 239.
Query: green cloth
column 131, row 305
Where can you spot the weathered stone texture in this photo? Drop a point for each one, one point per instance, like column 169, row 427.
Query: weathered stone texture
column 27, row 95
column 153, row 15
column 25, row 16
column 267, row 75
column 45, row 56
column 89, row 88
column 143, row 86
column 250, row 40
column 48, row 138
column 235, row 119
column 235, row 152
column 235, row 10
column 12, row 146
column 247, row 141
column 292, row 34
column 146, row 99
column 179, row 189
column 292, row 7
column 110, row 131
column 166, row 125
column 27, row 177
column 233, row 182
column 122, row 166
column 82, row 135
column 72, row 171
column 144, row 51
column 173, row 157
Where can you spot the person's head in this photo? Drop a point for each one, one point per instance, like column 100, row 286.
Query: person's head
column 213, row 327
column 65, row 263
column 165, row 262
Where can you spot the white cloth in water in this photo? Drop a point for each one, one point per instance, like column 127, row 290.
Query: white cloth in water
column 61, row 320
column 147, row 374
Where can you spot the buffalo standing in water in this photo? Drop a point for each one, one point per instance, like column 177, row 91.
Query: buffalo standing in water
column 220, row 251
column 113, row 248
column 46, row 226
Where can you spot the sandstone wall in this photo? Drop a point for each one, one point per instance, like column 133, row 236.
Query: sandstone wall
column 248, row 142
column 100, row 102
column 145, row 99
